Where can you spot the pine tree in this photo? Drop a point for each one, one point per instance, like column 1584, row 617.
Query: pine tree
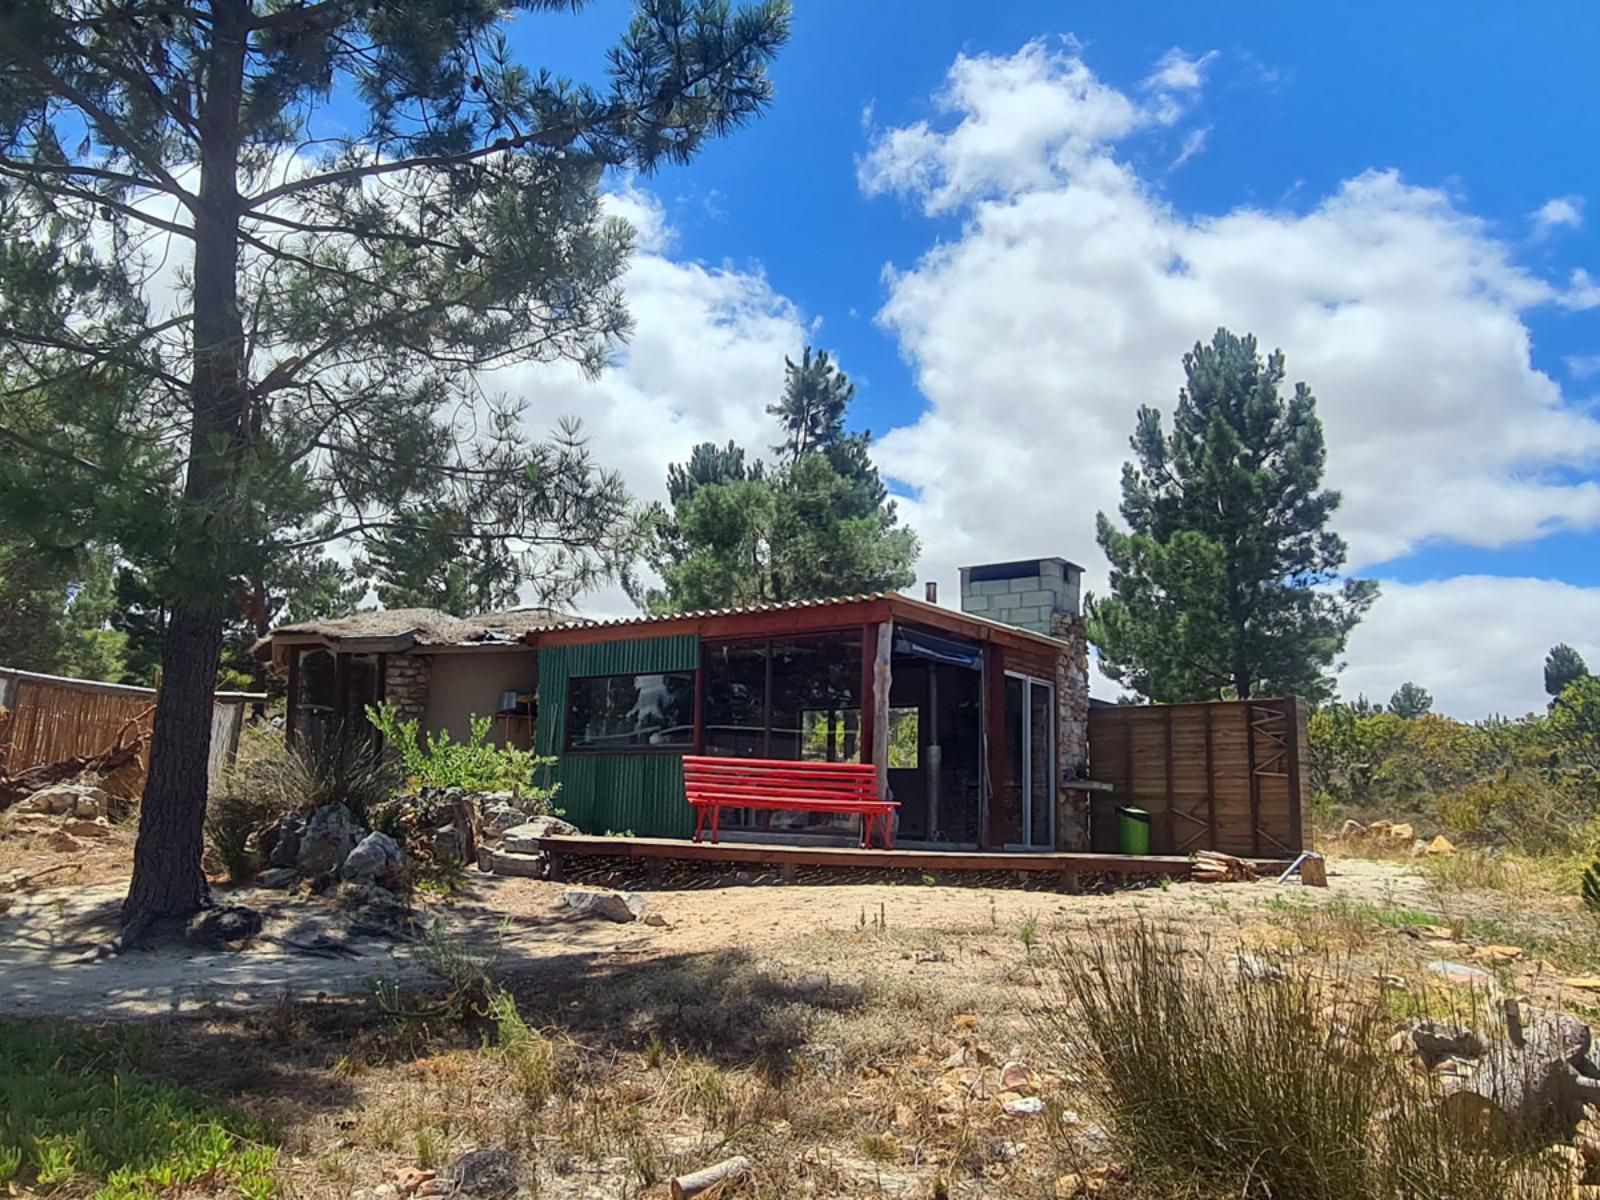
column 1226, row 581
column 434, row 561
column 820, row 524
column 341, row 277
column 1410, row 701
column 1563, row 665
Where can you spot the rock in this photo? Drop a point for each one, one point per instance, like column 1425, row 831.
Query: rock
column 1402, row 833
column 375, row 858
column 1431, row 933
column 290, row 829
column 1023, row 1106
column 1461, row 974
column 655, row 919
column 330, row 835
column 220, row 926
column 447, row 844
column 622, row 907
column 1018, row 1077
column 78, row 827
column 497, row 818
column 65, row 799
column 277, row 878
column 409, row 1179
column 1419, row 849
column 930, row 956
column 524, row 838
column 1588, row 983
column 1253, row 966
column 481, row 1174
column 1379, row 829
column 1353, row 829
column 502, row 862
column 1541, row 1069
column 1441, row 845
column 372, row 905
column 1436, row 1041
column 1495, row 955
column 64, row 842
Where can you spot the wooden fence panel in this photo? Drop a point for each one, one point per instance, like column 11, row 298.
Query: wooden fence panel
column 1223, row 776
column 50, row 719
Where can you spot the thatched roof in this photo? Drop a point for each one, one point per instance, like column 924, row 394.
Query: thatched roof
column 400, row 629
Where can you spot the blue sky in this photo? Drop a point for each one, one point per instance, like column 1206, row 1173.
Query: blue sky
column 1009, row 221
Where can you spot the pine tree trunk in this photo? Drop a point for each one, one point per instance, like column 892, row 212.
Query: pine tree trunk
column 167, row 878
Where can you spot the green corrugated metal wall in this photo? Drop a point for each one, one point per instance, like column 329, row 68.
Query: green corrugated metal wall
column 640, row 793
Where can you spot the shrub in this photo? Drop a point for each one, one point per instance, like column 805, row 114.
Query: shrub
column 477, row 764
column 1218, row 1084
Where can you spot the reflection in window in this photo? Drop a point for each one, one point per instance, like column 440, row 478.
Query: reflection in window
column 905, row 739
column 736, row 700
column 629, row 712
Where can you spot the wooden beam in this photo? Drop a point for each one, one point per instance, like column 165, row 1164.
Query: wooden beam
column 290, row 717
column 1297, row 833
column 1211, row 779
column 865, row 725
column 756, row 624
column 1051, row 861
column 882, row 681
column 700, row 705
column 1255, row 780
column 1172, row 840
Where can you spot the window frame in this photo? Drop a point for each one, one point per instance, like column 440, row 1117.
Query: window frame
column 680, row 748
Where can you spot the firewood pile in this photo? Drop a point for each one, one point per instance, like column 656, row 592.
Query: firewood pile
column 1213, row 866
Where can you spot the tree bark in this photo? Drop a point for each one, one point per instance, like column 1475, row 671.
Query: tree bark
column 167, row 877
column 168, row 880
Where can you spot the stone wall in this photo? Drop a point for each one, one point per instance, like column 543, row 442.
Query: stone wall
column 405, row 685
column 1072, row 729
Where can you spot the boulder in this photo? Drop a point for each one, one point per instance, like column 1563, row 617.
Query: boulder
column 1353, row 829
column 68, row 800
column 1441, row 845
column 64, row 842
column 447, row 844
column 524, row 838
column 503, row 862
column 329, row 836
column 78, row 827
column 375, row 858
column 481, row 1174
column 286, row 837
column 1403, row 832
column 1379, row 829
column 623, row 907
column 499, row 817
column 277, row 878
column 1435, row 1041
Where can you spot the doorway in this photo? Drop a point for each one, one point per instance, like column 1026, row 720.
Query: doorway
column 1028, row 808
column 936, row 738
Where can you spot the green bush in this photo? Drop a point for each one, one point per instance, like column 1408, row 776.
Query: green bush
column 1221, row 1085
column 477, row 764
column 75, row 1116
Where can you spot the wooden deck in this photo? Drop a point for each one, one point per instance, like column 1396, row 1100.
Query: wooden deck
column 1063, row 863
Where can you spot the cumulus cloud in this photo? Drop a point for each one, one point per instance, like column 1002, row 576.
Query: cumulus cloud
column 1476, row 642
column 1560, row 212
column 1073, row 289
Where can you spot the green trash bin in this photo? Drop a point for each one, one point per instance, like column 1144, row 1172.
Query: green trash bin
column 1133, row 831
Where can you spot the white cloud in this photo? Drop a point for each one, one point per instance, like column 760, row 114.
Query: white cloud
column 1192, row 145
column 1177, row 72
column 1583, row 366
column 1560, row 212
column 1476, row 642
column 1582, row 292
column 1072, row 290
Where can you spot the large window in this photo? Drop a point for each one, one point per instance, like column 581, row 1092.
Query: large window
column 791, row 698
column 631, row 712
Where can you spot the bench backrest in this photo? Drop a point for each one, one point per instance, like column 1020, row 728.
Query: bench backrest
column 732, row 778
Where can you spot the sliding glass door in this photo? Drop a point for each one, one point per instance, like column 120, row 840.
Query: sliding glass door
column 1029, row 799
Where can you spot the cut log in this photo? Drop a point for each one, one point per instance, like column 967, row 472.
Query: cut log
column 1540, row 1073
column 728, row 1170
column 1213, row 866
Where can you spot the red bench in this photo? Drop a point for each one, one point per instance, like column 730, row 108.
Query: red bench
column 713, row 784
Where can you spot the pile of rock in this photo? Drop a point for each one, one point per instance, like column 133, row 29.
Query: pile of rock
column 66, row 813
column 518, row 852
column 329, row 844
column 1401, row 833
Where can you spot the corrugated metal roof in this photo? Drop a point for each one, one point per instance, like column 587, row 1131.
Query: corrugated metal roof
column 935, row 611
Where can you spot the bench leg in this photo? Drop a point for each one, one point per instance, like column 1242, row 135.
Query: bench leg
column 699, row 821
column 716, row 821
column 888, row 831
column 868, row 820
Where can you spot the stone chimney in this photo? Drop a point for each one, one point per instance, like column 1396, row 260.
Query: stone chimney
column 1033, row 594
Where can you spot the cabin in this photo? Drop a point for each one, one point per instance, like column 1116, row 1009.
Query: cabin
column 977, row 721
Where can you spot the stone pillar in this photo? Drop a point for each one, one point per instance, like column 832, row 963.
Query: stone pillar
column 1072, row 729
column 405, row 685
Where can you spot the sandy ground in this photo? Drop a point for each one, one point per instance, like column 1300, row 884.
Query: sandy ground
column 45, row 933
